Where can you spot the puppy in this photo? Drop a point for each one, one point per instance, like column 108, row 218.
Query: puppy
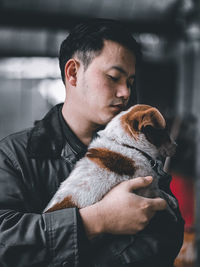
column 128, row 147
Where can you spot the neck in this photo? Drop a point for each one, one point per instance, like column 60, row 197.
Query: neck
column 82, row 128
column 147, row 154
column 141, row 151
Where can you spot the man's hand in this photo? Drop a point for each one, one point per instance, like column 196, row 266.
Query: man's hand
column 121, row 211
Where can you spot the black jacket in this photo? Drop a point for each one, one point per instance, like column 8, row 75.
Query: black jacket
column 32, row 165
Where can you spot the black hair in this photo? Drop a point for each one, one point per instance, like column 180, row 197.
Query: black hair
column 86, row 40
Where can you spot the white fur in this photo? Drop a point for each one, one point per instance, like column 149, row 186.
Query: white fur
column 88, row 182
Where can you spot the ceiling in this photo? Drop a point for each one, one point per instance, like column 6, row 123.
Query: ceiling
column 63, row 14
column 35, row 28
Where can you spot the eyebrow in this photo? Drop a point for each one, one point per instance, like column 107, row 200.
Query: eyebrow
column 120, row 69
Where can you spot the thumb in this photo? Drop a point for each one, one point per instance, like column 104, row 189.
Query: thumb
column 139, row 182
column 158, row 204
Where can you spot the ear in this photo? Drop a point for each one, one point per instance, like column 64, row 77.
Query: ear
column 141, row 116
column 152, row 117
column 71, row 68
column 153, row 126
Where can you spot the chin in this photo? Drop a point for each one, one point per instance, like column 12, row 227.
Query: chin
column 105, row 117
column 104, row 121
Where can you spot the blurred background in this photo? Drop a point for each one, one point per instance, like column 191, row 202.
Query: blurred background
column 169, row 77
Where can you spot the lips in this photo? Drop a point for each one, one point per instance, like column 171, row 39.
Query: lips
column 118, row 107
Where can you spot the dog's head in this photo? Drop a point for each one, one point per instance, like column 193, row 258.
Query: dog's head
column 149, row 122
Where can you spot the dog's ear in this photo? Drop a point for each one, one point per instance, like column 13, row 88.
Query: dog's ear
column 153, row 125
column 140, row 117
column 149, row 121
column 151, row 117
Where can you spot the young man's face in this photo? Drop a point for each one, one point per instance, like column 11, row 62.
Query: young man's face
column 103, row 89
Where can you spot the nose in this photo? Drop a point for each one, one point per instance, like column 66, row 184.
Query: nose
column 123, row 92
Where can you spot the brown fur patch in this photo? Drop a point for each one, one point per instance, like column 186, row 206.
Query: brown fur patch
column 141, row 116
column 65, row 203
column 112, row 161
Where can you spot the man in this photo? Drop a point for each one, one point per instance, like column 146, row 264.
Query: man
column 97, row 62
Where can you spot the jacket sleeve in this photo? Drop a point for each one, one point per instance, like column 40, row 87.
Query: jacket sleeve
column 33, row 239
column 146, row 249
column 157, row 245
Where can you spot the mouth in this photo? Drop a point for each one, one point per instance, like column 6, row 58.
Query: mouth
column 117, row 107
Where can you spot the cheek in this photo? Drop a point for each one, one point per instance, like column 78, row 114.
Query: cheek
column 103, row 83
column 99, row 91
column 102, row 91
column 106, row 89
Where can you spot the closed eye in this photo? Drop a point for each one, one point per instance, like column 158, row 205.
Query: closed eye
column 113, row 78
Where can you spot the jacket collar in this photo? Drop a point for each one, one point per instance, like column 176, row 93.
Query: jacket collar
column 46, row 139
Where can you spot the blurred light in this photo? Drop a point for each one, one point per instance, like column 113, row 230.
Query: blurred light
column 29, row 68
column 193, row 31
column 45, row 69
column 52, row 90
column 152, row 43
column 154, row 46
column 162, row 4
column 149, row 39
column 187, row 5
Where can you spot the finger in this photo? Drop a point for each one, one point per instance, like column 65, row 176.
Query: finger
column 158, row 204
column 139, row 182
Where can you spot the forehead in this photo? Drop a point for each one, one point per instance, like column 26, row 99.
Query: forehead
column 115, row 54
